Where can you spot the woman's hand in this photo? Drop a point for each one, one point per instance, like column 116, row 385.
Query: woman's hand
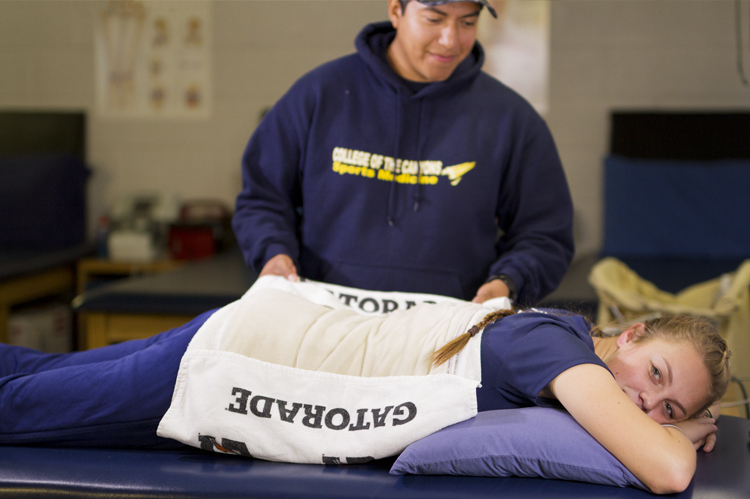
column 710, row 441
column 700, row 431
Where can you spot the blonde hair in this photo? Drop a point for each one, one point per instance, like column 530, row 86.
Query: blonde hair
column 699, row 331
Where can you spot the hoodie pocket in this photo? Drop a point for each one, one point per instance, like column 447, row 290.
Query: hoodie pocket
column 409, row 280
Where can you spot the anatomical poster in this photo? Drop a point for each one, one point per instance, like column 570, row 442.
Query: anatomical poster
column 153, row 59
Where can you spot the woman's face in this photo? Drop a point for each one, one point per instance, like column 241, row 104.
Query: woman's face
column 666, row 380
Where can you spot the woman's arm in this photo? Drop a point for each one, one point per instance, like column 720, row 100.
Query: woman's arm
column 660, row 457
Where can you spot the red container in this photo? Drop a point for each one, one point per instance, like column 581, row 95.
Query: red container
column 191, row 242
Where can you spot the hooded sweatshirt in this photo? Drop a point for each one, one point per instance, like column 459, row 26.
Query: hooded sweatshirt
column 369, row 181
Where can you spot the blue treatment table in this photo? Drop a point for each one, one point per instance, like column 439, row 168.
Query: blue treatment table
column 56, row 472
column 29, row 472
column 19, row 263
column 194, row 288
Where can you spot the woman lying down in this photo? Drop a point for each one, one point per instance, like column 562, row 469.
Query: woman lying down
column 291, row 373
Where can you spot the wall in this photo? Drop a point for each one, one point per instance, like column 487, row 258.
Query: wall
column 604, row 55
column 633, row 54
column 259, row 49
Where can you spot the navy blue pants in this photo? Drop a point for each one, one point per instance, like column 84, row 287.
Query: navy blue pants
column 113, row 396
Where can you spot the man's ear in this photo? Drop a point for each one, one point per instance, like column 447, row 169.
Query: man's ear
column 631, row 333
column 394, row 12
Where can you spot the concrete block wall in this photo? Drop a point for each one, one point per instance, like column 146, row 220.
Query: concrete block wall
column 605, row 54
column 259, row 49
column 633, row 54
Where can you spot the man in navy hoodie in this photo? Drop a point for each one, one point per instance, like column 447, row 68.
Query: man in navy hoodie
column 404, row 167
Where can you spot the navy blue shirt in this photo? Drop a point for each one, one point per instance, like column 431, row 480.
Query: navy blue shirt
column 522, row 353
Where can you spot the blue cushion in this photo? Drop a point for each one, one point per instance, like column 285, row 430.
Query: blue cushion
column 685, row 209
column 529, row 442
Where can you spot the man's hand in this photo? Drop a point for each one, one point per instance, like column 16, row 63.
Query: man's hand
column 492, row 289
column 281, row 265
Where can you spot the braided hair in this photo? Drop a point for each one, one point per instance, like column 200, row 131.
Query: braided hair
column 454, row 346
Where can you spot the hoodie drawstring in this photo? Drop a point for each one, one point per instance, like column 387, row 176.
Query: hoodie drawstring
column 392, row 191
column 418, row 190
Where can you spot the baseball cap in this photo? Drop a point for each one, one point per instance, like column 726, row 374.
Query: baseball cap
column 432, row 3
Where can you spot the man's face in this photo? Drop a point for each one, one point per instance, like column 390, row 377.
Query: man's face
column 431, row 41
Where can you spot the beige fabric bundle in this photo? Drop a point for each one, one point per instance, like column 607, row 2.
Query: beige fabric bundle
column 284, row 329
column 291, row 373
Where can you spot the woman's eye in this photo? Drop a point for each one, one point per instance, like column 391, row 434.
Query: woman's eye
column 670, row 411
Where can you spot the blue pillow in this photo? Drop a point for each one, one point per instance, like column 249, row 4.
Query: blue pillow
column 536, row 442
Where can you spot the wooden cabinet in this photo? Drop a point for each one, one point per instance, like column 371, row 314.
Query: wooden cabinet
column 97, row 329
column 28, row 287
